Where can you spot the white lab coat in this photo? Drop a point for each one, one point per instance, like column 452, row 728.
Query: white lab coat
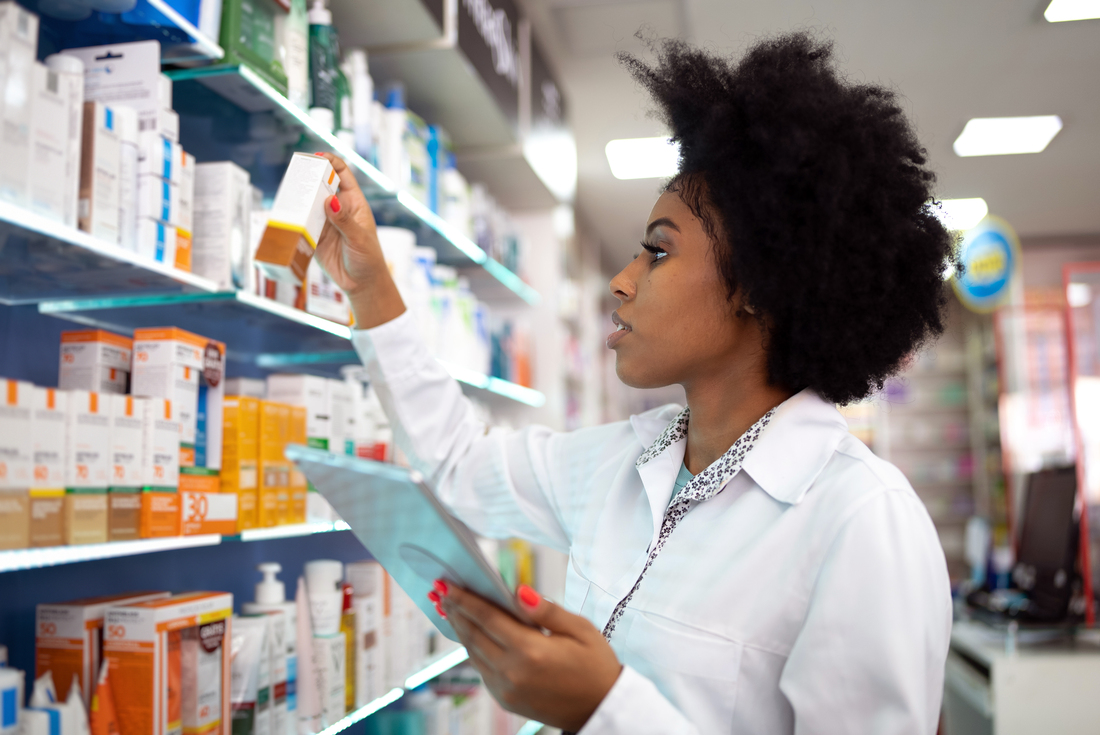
column 809, row 596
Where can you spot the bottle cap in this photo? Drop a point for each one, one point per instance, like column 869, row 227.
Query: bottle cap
column 349, row 592
column 269, row 590
column 319, row 15
column 357, row 60
column 395, row 96
column 323, row 576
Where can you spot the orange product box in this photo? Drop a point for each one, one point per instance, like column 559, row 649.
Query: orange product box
column 208, row 512
column 169, row 664
column 94, row 360
column 240, row 455
column 299, row 486
column 160, row 514
column 68, row 639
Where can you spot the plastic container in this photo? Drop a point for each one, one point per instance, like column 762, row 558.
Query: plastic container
column 357, row 70
column 324, row 72
column 248, row 36
column 326, row 598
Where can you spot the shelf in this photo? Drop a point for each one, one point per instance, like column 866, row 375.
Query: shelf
column 149, row 20
column 18, row 559
column 227, row 112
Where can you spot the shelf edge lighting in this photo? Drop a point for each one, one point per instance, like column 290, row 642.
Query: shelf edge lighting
column 1003, row 136
column 1060, row 11
column 960, row 214
column 643, row 158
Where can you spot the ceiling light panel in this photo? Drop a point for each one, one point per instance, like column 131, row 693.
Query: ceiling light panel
column 1060, row 11
column 1002, row 136
column 961, row 214
column 643, row 158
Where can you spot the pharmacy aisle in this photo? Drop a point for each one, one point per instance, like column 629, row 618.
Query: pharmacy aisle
column 167, row 334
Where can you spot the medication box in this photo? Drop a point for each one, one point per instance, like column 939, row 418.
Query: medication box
column 151, row 645
column 47, row 496
column 98, row 209
column 125, row 74
column 15, row 463
column 48, row 177
column 240, row 456
column 159, row 156
column 68, row 639
column 185, row 227
column 220, row 248
column 70, row 78
column 297, row 218
column 158, row 199
column 94, row 360
column 157, row 241
column 18, row 51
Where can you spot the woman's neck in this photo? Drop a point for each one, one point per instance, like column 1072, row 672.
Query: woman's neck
column 723, row 407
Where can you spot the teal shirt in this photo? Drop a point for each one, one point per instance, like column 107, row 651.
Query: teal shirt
column 682, row 479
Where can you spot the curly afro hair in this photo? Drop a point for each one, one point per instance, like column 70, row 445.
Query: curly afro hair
column 817, row 196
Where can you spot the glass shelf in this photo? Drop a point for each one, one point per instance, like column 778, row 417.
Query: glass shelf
column 148, row 20
column 18, row 559
column 228, row 112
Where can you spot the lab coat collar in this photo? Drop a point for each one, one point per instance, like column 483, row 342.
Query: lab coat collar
column 658, row 472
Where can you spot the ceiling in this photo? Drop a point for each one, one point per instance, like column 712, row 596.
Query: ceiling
column 950, row 61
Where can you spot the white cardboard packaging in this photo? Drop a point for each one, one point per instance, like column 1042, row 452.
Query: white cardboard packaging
column 94, row 360
column 158, row 199
column 156, row 240
column 49, row 178
column 16, row 460
column 324, row 298
column 185, row 219
column 18, row 50
column 124, row 74
column 70, row 73
column 48, row 438
column 99, row 171
column 330, row 670
column 159, row 156
column 88, row 431
column 127, row 435
column 222, row 221
column 368, row 580
column 160, row 445
column 127, row 177
column 311, row 392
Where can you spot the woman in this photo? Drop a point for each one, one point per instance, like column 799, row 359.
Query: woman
column 743, row 565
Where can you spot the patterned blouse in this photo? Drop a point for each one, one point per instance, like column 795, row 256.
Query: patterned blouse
column 703, row 486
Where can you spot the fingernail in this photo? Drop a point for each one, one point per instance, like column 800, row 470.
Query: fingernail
column 335, row 204
column 439, row 610
column 434, row 597
column 440, row 587
column 528, row 596
column 318, row 153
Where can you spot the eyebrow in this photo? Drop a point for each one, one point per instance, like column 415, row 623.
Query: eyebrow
column 661, row 222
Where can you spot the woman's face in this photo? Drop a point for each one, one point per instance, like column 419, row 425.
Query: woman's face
column 677, row 323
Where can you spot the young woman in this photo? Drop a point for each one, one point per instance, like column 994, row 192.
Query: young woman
column 743, row 564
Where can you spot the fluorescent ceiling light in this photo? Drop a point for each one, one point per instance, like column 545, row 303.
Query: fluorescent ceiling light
column 553, row 157
column 1063, row 10
column 643, row 158
column 1000, row 136
column 1078, row 295
column 961, row 214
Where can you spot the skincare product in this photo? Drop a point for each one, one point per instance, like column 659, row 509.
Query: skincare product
column 87, row 467
column 220, row 248
column 240, row 455
column 48, row 182
column 273, row 493
column 156, row 241
column 47, row 494
column 312, row 393
column 271, row 599
column 99, row 171
column 160, row 505
column 70, row 79
column 18, row 51
column 16, row 463
column 128, row 193
column 186, row 212
column 251, row 695
column 94, row 360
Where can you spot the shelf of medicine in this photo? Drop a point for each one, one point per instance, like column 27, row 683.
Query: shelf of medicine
column 147, row 20
column 228, row 112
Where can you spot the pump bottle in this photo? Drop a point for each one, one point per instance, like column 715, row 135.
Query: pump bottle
column 270, row 596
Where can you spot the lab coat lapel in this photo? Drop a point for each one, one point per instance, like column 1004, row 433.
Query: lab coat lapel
column 658, row 473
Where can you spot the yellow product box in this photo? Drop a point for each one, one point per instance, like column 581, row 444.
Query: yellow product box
column 16, row 463
column 274, row 470
column 240, row 455
column 47, row 496
column 299, row 486
column 68, row 639
column 94, row 360
column 170, row 663
column 208, row 512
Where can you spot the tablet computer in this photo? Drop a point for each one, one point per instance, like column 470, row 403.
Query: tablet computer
column 406, row 529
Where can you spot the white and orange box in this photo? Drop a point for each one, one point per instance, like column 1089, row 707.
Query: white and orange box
column 68, row 638
column 48, row 454
column 94, row 360
column 87, row 467
column 205, row 512
column 152, row 645
column 127, row 473
column 15, row 463
column 160, row 465
column 188, row 370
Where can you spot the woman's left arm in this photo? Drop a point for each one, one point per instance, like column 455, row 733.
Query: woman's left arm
column 870, row 655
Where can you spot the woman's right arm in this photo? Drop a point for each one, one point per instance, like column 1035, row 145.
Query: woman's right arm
column 502, row 483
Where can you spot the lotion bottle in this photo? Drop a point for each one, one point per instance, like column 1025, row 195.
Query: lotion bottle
column 271, row 595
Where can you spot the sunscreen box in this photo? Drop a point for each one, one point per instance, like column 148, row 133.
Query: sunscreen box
column 18, row 51
column 240, row 455
column 299, row 486
column 159, row 513
column 47, row 496
column 185, row 226
column 69, row 639
column 49, row 178
column 203, row 512
column 70, row 81
column 157, row 241
column 188, row 370
column 158, row 199
column 127, row 435
column 94, row 360
column 159, row 156
column 273, row 494
column 15, row 463
column 169, row 664
column 297, row 218
column 222, row 224
column 87, row 467
column 98, row 208
column 312, row 393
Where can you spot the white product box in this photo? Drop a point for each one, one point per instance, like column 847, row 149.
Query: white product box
column 324, row 298
column 159, row 156
column 297, row 218
column 160, row 445
column 158, row 199
column 127, row 176
column 185, row 222
column 124, row 74
column 16, row 444
column 168, row 124
column 18, row 50
column 311, row 392
column 341, row 415
column 70, row 73
column 48, row 438
column 368, row 580
column 127, row 435
column 164, row 92
column 222, row 220
column 49, row 178
column 188, row 370
column 94, row 360
column 156, row 240
column 252, row 674
column 97, row 211
column 253, row 387
column 88, row 431
column 330, row 670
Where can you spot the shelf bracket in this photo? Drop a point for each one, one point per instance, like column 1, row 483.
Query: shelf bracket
column 444, row 42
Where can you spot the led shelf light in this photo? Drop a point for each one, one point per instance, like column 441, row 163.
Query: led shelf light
column 19, row 559
column 1003, row 136
column 643, row 158
column 1060, row 11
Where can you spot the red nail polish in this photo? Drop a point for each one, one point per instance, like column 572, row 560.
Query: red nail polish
column 318, row 153
column 434, row 597
column 335, row 204
column 439, row 610
column 440, row 587
column 528, row 596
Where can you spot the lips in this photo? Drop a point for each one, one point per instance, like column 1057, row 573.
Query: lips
column 623, row 330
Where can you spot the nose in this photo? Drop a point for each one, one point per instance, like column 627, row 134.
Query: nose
column 623, row 286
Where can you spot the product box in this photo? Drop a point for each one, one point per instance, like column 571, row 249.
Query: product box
column 330, row 671
column 94, row 360
column 159, row 513
column 222, row 221
column 158, row 199
column 369, row 583
column 69, row 639
column 47, row 495
column 16, row 462
column 157, row 241
column 273, row 494
column 252, row 387
column 152, row 645
column 127, row 436
column 188, row 370
column 87, row 467
column 49, row 179
column 240, row 456
column 18, row 51
column 127, row 119
column 342, row 417
column 299, row 486
column 99, row 173
column 185, row 221
column 159, row 156
column 253, row 698
column 70, row 80
column 205, row 512
column 297, row 218
column 125, row 74
column 311, row 392
column 324, row 298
